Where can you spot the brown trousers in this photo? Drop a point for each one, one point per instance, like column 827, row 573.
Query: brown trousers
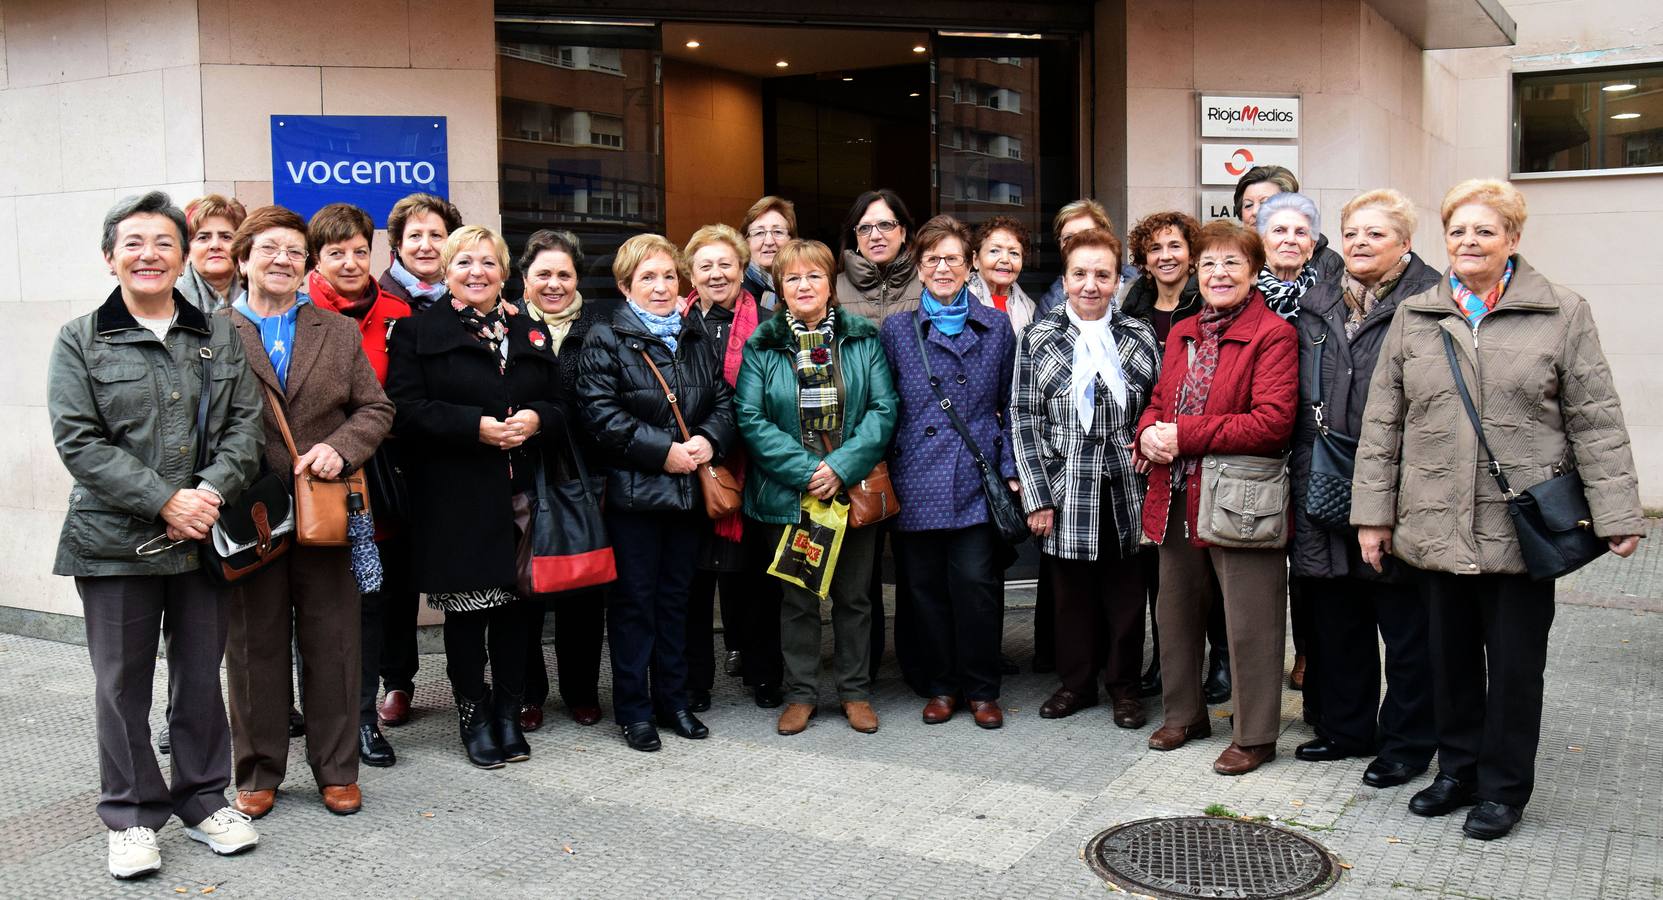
column 1253, row 584
column 312, row 591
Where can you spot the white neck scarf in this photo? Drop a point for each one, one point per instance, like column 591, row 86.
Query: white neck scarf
column 1095, row 356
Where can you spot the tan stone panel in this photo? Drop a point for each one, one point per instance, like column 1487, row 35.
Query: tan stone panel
column 467, row 98
column 17, row 491
column 1342, row 30
column 1480, row 162
column 1607, row 248
column 1626, row 313
column 151, row 34
column 27, row 333
column 214, row 28
column 1161, row 138
column 113, row 131
column 3, row 80
column 1374, row 154
column 1646, row 441
column 318, row 33
column 71, row 225
column 1160, row 45
column 1639, row 382
column 1142, row 201
column 1408, row 160
column 182, row 114
column 1258, row 45
column 1482, row 113
column 253, row 194
column 1440, row 99
column 1594, row 196
column 10, row 287
column 50, row 41
column 1329, row 151
column 34, row 166
column 1381, row 76
column 237, row 105
column 453, row 34
column 1411, row 68
column 479, row 203
column 28, row 543
column 49, row 481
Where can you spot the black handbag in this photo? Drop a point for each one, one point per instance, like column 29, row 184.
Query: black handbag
column 1004, row 513
column 1554, row 524
column 1333, row 461
column 258, row 528
column 389, row 492
column 564, row 545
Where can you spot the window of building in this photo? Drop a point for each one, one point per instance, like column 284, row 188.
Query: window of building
column 606, row 131
column 1585, row 120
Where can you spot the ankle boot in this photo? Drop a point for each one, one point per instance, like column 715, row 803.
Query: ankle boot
column 510, row 737
column 478, row 736
column 1217, row 688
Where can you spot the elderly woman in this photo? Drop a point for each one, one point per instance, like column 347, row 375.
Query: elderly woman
column 1259, row 184
column 124, row 387
column 1228, row 386
column 733, row 557
column 476, row 403
column 814, row 422
column 210, row 280
column 1166, row 293
column 1083, row 377
column 1001, row 245
column 654, row 513
column 338, row 239
column 1288, row 223
column 769, row 223
column 316, row 377
column 950, row 561
column 417, row 228
column 550, row 265
column 1424, row 493
column 1353, row 608
column 1081, row 215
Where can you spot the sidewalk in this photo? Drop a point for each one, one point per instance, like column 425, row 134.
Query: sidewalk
column 912, row 811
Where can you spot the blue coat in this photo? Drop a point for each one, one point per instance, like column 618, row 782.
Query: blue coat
column 934, row 474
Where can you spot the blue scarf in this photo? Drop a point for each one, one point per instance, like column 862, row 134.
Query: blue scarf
column 949, row 319
column 276, row 332
column 665, row 328
column 422, row 293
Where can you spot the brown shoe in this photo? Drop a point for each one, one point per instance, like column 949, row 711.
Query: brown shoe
column 531, row 718
column 1171, row 737
column 1239, row 760
column 1128, row 713
column 795, row 717
column 586, row 715
column 395, row 708
column 939, row 709
column 342, row 799
column 862, row 717
column 1296, row 678
column 1065, row 703
column 255, row 804
column 987, row 713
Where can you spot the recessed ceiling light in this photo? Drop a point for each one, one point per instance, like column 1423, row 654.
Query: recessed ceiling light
column 781, row 64
column 920, row 48
column 913, row 94
column 848, row 78
column 1626, row 116
column 693, row 45
column 1624, row 86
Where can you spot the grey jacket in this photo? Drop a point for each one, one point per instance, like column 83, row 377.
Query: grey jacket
column 123, row 407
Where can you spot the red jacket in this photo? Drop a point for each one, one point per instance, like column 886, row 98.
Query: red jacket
column 374, row 324
column 1250, row 407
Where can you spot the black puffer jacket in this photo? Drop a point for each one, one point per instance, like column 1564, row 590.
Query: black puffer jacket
column 1139, row 302
column 630, row 418
column 1342, row 383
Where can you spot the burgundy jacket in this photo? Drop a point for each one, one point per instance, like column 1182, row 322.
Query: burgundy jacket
column 1250, row 408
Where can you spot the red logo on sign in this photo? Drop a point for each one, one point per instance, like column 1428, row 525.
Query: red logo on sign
column 1246, row 157
column 1249, row 113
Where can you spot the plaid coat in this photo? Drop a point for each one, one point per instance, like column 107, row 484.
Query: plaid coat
column 1061, row 465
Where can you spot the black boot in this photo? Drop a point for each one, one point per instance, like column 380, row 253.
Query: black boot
column 1150, row 684
column 478, row 735
column 1217, row 688
column 510, row 737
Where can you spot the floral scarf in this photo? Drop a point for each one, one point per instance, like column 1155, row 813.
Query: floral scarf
column 1360, row 300
column 665, row 328
column 421, row 293
column 1198, row 381
column 560, row 323
column 1283, row 296
column 817, row 402
column 1472, row 306
column 490, row 329
column 276, row 333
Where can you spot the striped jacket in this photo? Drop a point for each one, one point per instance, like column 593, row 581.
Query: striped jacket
column 1062, row 466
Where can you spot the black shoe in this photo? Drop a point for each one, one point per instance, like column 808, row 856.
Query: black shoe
column 164, row 741
column 1323, row 750
column 297, row 723
column 642, row 736
column 734, row 664
column 1217, row 688
column 1442, row 797
column 698, row 701
column 1150, row 684
column 685, row 724
column 1490, row 820
column 769, row 696
column 479, row 736
column 505, row 712
column 373, row 749
column 1044, row 663
column 1008, row 666
column 1383, row 773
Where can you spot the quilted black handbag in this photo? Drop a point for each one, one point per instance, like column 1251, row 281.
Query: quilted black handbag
column 1333, row 460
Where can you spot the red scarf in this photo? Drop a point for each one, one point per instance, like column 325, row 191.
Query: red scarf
column 730, row 527
column 324, row 294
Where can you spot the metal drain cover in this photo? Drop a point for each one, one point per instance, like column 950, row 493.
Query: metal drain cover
column 1202, row 856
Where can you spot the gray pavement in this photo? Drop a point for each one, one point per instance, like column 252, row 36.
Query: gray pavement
column 912, row 811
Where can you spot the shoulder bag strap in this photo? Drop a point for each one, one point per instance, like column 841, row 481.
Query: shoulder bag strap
column 947, row 404
column 282, row 420
column 1313, row 399
column 1472, row 413
column 675, row 405
column 205, row 368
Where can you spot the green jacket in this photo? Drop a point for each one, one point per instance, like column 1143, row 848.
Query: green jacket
column 123, row 407
column 766, row 400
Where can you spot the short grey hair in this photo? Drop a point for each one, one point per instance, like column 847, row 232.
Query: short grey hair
column 1284, row 202
column 155, row 202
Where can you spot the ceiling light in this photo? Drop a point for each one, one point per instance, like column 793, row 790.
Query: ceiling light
column 848, row 78
column 920, row 48
column 693, row 45
column 781, row 64
column 1626, row 116
column 1624, row 86
column 913, row 94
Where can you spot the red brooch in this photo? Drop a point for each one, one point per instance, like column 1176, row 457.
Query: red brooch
column 820, row 355
column 537, row 339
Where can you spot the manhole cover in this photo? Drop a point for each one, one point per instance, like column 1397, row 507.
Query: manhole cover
column 1201, row 856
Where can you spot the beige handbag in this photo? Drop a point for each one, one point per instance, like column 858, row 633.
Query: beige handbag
column 1243, row 502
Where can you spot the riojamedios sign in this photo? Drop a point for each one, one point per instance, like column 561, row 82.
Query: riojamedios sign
column 368, row 161
column 1249, row 117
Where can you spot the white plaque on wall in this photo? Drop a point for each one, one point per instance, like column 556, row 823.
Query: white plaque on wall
column 1217, row 205
column 1227, row 163
column 1249, row 117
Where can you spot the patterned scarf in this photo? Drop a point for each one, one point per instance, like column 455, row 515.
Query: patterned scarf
column 817, row 402
column 1362, row 300
column 948, row 319
column 1198, row 381
column 276, row 332
column 766, row 297
column 665, row 328
column 1283, row 296
column 490, row 329
column 422, row 293
column 1472, row 306
column 560, row 323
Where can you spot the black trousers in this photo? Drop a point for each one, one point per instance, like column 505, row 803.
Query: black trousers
column 1099, row 616
column 646, row 610
column 579, row 629
column 1489, row 651
column 905, row 639
column 398, row 603
column 750, row 612
column 957, row 597
column 1045, row 617
column 495, row 635
column 1350, row 617
column 702, row 598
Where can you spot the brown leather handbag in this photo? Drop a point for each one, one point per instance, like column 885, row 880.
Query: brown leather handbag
column 871, row 499
column 723, row 493
column 320, row 504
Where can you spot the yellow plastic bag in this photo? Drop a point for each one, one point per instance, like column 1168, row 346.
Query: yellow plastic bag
column 807, row 554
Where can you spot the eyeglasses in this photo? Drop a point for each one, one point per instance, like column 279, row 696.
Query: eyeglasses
column 953, row 262
column 813, row 278
column 885, row 226
column 1229, row 266
column 758, row 234
column 272, row 251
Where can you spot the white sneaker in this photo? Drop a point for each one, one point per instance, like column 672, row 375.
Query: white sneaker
column 133, row 852
column 225, row 832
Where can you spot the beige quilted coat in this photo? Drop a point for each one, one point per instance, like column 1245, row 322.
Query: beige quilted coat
column 1544, row 392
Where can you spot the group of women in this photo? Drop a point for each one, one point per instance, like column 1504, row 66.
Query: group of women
column 1133, row 425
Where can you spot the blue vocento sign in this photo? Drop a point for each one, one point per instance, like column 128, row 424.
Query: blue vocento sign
column 368, row 161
